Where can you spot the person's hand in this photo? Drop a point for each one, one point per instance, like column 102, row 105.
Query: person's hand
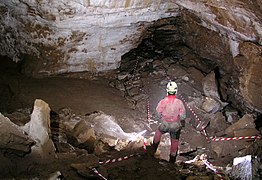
column 159, row 116
column 183, row 123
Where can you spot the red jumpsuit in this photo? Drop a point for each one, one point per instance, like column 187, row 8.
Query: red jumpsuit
column 171, row 111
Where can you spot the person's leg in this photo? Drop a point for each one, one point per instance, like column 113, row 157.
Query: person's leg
column 174, row 137
column 156, row 141
column 173, row 150
column 162, row 128
column 157, row 137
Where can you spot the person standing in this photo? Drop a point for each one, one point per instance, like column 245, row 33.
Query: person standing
column 172, row 114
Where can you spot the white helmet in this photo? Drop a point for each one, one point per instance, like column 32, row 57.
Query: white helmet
column 171, row 87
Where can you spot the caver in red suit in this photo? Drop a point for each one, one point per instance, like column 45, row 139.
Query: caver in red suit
column 172, row 112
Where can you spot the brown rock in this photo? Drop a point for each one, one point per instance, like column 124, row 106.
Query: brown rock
column 246, row 121
column 228, row 149
column 246, row 132
column 251, row 81
column 83, row 132
column 210, row 86
column 217, row 124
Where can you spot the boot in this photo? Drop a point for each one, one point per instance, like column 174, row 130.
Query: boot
column 172, row 158
column 151, row 150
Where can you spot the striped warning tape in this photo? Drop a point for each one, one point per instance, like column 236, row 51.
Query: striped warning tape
column 99, row 174
column 148, row 112
column 195, row 115
column 135, row 67
column 117, row 159
column 211, row 167
column 192, row 111
column 203, row 127
column 235, row 138
column 218, row 138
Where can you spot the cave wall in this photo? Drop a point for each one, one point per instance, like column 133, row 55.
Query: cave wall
column 229, row 34
column 58, row 36
column 249, row 65
column 70, row 36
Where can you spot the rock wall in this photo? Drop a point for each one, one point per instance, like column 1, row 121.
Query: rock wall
column 249, row 65
column 70, row 36
column 60, row 36
column 53, row 37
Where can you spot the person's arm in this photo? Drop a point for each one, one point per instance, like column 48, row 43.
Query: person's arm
column 159, row 108
column 182, row 114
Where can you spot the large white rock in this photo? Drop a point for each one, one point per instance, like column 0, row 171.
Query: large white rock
column 38, row 128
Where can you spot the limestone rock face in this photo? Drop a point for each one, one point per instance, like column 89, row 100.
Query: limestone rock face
column 71, row 36
column 39, row 129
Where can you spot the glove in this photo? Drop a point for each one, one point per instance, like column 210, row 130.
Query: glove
column 183, row 123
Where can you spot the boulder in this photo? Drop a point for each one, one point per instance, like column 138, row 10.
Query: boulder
column 232, row 116
column 19, row 118
column 196, row 76
column 242, row 167
column 107, row 125
column 82, row 136
column 85, row 168
column 217, row 124
column 83, row 132
column 246, row 132
column 38, row 128
column 227, row 150
column 210, row 86
column 250, row 80
column 210, row 105
column 245, row 122
column 13, row 139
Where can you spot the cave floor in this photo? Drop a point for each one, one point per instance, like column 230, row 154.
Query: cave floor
column 83, row 97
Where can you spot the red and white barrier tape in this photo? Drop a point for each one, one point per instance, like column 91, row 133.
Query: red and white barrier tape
column 148, row 112
column 99, row 174
column 192, row 111
column 195, row 115
column 117, row 159
column 135, row 67
column 235, row 138
column 211, row 167
column 219, row 138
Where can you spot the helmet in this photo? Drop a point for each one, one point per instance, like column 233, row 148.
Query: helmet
column 171, row 87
